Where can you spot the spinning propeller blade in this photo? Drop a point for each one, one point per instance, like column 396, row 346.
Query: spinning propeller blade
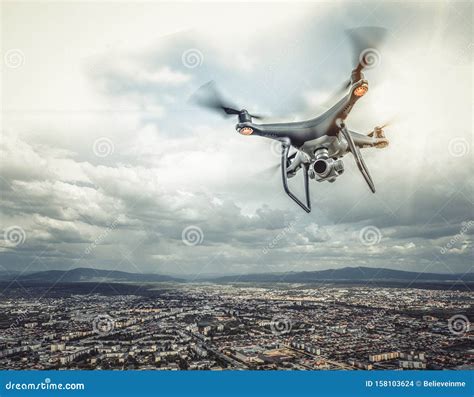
column 208, row 96
column 269, row 171
column 365, row 42
column 273, row 168
column 386, row 124
column 337, row 94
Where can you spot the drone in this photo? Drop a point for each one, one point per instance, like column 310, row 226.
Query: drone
column 318, row 144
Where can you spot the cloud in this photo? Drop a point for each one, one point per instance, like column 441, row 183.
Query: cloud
column 174, row 166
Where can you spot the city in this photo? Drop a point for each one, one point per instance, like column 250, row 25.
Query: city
column 221, row 326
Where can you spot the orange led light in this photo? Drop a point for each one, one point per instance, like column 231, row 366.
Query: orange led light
column 361, row 90
column 381, row 144
column 246, row 131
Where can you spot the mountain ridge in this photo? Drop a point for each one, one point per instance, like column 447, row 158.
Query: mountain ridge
column 82, row 274
column 351, row 274
column 358, row 273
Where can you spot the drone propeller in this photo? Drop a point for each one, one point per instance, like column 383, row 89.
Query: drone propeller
column 269, row 171
column 208, row 96
column 365, row 42
column 274, row 168
column 386, row 124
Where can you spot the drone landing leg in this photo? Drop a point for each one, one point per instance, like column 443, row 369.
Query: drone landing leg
column 284, row 157
column 357, row 156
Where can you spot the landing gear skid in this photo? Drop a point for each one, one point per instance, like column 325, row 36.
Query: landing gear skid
column 285, row 148
column 284, row 165
column 357, row 156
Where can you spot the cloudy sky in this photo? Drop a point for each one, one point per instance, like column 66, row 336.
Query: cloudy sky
column 104, row 163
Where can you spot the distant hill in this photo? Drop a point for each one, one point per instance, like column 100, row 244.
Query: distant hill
column 347, row 274
column 88, row 275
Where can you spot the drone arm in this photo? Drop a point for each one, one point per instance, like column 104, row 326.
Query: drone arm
column 362, row 140
column 357, row 156
column 284, row 155
column 370, row 140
